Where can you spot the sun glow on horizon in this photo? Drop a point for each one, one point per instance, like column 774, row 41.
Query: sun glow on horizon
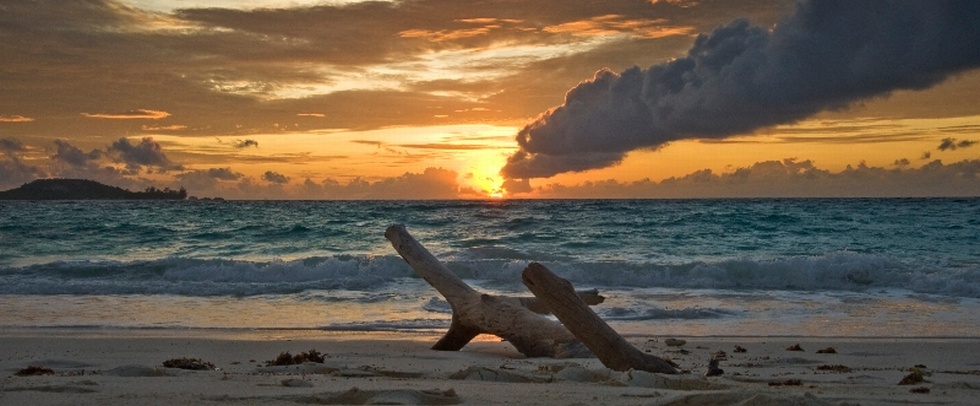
column 483, row 173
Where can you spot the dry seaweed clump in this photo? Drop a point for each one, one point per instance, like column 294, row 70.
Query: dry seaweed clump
column 285, row 358
column 34, row 370
column 916, row 376
column 835, row 368
column 194, row 364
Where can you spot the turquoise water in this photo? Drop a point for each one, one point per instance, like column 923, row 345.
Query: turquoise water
column 768, row 266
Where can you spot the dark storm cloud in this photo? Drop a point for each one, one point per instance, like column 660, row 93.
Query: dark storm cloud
column 739, row 78
column 952, row 144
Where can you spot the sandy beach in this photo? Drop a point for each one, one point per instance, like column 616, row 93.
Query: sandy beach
column 117, row 367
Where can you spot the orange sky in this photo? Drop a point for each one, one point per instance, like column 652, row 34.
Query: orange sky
column 419, row 99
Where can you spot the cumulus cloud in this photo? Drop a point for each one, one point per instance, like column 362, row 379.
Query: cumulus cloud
column 74, row 156
column 433, row 183
column 275, row 177
column 207, row 180
column 791, row 178
column 147, row 153
column 739, row 78
column 13, row 170
column 952, row 144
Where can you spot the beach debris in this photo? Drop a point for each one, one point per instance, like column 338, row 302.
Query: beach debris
column 285, row 358
column 828, row 350
column 515, row 320
column 834, row 368
column 605, row 343
column 794, row 347
column 357, row 396
column 919, row 389
column 193, row 364
column 713, row 369
column 740, row 349
column 788, row 382
column 296, row 383
column 34, row 371
column 674, row 342
column 139, row 371
column 475, row 373
column 578, row 333
column 719, row 355
column 915, row 376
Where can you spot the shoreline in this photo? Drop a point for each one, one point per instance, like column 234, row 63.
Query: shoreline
column 426, row 334
column 113, row 366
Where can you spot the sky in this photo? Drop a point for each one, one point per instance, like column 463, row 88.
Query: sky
column 443, row 99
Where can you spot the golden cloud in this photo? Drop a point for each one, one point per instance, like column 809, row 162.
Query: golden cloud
column 15, row 119
column 130, row 115
column 175, row 127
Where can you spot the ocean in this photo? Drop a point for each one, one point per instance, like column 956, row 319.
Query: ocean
column 723, row 267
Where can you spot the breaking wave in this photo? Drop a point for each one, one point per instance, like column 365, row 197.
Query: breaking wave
column 837, row 271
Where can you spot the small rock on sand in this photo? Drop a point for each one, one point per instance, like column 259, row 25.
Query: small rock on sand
column 674, row 342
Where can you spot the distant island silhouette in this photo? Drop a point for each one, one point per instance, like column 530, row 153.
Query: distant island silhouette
column 84, row 189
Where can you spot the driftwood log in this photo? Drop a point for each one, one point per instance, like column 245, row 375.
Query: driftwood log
column 607, row 345
column 476, row 313
column 519, row 320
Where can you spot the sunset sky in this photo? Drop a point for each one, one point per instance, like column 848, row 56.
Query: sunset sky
column 431, row 98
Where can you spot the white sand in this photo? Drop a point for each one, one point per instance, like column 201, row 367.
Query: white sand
column 124, row 367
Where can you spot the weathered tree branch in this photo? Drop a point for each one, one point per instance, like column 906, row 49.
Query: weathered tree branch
column 474, row 313
column 610, row 347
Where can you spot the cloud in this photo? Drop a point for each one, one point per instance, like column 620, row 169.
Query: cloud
column 433, row 183
column 139, row 114
column 790, row 178
column 74, row 156
column 274, row 177
column 207, row 181
column 612, row 24
column 174, row 127
column 13, row 170
column 147, row 153
column 951, row 144
column 246, row 143
column 15, row 119
column 11, row 145
column 827, row 55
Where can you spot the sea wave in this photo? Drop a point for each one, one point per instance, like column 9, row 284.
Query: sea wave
column 836, row 271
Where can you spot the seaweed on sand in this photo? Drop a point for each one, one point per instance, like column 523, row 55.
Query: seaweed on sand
column 285, row 358
column 194, row 364
column 34, row 370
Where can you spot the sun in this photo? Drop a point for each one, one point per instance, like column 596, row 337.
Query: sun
column 482, row 174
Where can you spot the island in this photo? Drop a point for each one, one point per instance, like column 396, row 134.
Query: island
column 84, row 189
